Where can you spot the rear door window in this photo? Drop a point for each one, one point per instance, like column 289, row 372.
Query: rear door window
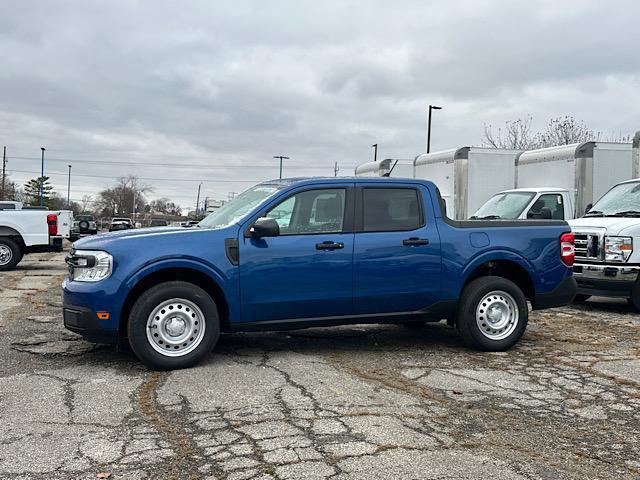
column 391, row 209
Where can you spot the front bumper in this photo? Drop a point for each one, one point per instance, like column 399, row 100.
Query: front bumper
column 605, row 280
column 80, row 303
column 84, row 322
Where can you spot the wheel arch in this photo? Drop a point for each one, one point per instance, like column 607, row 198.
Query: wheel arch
column 13, row 234
column 512, row 267
column 175, row 273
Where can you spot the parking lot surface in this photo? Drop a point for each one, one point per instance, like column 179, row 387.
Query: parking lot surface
column 374, row 402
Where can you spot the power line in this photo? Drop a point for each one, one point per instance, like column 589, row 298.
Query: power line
column 161, row 164
column 147, row 178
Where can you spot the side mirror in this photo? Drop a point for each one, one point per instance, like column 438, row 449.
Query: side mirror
column 265, row 227
column 589, row 207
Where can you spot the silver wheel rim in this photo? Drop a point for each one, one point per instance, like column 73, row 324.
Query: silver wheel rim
column 497, row 315
column 6, row 254
column 175, row 327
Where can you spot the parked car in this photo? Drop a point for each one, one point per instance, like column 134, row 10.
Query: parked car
column 316, row 252
column 189, row 223
column 83, row 225
column 541, row 203
column 607, row 241
column 29, row 231
column 120, row 223
column 158, row 222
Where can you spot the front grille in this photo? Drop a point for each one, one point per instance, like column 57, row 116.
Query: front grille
column 588, row 246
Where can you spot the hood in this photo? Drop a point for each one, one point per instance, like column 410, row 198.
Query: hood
column 104, row 240
column 613, row 225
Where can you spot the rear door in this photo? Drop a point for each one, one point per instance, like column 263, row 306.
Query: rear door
column 397, row 257
column 307, row 270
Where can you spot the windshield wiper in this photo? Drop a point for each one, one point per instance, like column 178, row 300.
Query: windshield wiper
column 594, row 213
column 626, row 213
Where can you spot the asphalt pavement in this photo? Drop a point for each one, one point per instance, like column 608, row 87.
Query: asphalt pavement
column 357, row 402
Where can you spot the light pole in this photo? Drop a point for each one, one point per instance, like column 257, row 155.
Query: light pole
column 69, row 190
column 431, row 107
column 281, row 157
column 42, row 178
column 198, row 200
column 375, row 152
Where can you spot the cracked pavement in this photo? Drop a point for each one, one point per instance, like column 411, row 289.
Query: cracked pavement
column 355, row 402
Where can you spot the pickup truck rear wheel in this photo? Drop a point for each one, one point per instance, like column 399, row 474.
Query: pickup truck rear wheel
column 173, row 325
column 492, row 314
column 10, row 254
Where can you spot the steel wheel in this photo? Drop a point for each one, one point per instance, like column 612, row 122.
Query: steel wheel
column 497, row 315
column 6, row 254
column 175, row 327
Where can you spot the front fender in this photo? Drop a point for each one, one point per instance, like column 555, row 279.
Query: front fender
column 227, row 281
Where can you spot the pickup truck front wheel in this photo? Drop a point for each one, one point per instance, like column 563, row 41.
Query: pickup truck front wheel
column 492, row 314
column 10, row 254
column 173, row 325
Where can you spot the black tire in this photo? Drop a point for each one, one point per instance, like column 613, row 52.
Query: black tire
column 581, row 297
column 10, row 254
column 151, row 299
column 469, row 329
column 414, row 325
column 634, row 301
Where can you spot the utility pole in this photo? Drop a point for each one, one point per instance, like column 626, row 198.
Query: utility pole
column 198, row 200
column 69, row 190
column 375, row 152
column 335, row 170
column 42, row 178
column 281, row 157
column 431, row 107
column 4, row 166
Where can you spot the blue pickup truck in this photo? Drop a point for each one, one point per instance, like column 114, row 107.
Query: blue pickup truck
column 298, row 253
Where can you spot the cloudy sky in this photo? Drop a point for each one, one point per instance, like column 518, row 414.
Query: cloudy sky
column 190, row 91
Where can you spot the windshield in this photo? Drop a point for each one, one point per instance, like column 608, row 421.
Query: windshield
column 507, row 206
column 621, row 201
column 84, row 217
column 237, row 208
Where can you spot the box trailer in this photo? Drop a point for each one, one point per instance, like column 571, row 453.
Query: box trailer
column 588, row 170
column 468, row 176
column 402, row 168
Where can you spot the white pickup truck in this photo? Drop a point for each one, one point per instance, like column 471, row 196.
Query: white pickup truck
column 24, row 231
column 527, row 204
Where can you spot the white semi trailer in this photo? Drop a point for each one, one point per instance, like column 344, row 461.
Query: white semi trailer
column 587, row 170
column 390, row 167
column 468, row 176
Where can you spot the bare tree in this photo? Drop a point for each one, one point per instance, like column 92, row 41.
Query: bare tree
column 558, row 131
column 85, row 203
column 564, row 131
column 516, row 134
column 120, row 198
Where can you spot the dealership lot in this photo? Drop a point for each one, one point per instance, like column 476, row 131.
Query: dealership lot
column 349, row 402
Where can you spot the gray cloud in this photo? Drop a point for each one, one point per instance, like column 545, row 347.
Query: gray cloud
column 232, row 83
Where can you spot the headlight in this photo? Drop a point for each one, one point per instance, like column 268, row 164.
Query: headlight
column 617, row 249
column 90, row 265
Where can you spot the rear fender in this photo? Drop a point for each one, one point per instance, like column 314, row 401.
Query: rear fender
column 496, row 255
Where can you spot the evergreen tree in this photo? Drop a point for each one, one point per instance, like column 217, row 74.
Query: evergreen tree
column 32, row 191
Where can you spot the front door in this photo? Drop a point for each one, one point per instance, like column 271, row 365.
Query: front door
column 397, row 256
column 307, row 270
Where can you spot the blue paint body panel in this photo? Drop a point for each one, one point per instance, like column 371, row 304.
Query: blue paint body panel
column 287, row 278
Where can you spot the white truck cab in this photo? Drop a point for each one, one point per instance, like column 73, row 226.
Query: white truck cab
column 527, row 204
column 607, row 245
